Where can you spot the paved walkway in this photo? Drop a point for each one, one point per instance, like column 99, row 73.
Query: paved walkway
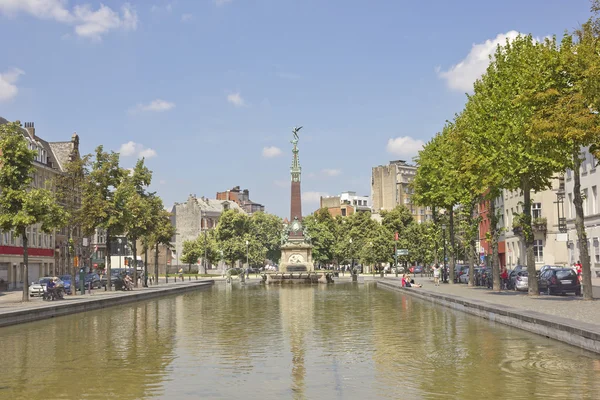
column 570, row 307
column 11, row 300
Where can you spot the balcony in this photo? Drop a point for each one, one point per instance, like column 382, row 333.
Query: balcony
column 539, row 225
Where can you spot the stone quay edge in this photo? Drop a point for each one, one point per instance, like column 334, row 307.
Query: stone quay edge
column 576, row 333
column 54, row 309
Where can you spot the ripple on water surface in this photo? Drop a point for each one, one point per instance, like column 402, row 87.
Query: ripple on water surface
column 317, row 342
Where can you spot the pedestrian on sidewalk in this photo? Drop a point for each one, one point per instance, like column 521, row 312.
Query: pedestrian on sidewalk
column 504, row 277
column 436, row 275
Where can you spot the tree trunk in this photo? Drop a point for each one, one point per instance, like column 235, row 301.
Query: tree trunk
column 494, row 244
column 452, row 260
column 134, row 262
column 528, row 235
column 74, row 269
column 25, row 276
column 584, row 255
column 145, row 266
column 435, row 238
column 156, row 265
column 108, row 263
column 471, row 237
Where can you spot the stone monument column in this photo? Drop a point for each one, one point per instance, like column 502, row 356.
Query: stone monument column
column 296, row 194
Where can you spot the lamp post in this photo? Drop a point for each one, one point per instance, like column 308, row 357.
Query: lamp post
column 445, row 277
column 247, row 251
column 119, row 251
column 205, row 252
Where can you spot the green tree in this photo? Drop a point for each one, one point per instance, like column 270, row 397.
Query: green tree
column 68, row 188
column 230, row 233
column 266, row 230
column 566, row 114
column 98, row 206
column 191, row 253
column 207, row 246
column 22, row 206
column 162, row 234
column 321, row 228
column 133, row 203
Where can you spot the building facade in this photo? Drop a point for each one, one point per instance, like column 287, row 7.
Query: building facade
column 550, row 245
column 390, row 187
column 590, row 181
column 345, row 204
column 242, row 198
column 485, row 248
column 195, row 216
column 47, row 251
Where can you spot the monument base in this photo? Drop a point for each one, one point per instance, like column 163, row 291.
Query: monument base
column 283, row 278
column 296, row 256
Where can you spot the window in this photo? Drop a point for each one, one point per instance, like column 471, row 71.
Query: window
column 538, row 250
column 343, row 212
column 583, row 164
column 584, row 193
column 596, row 250
column 568, row 174
column 594, row 200
column 536, row 210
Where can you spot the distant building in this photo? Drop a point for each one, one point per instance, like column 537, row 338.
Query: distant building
column 47, row 251
column 390, row 187
column 590, row 181
column 345, row 204
column 195, row 216
column 242, row 198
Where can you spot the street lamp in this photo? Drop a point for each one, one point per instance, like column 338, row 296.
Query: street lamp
column 445, row 276
column 119, row 251
column 247, row 263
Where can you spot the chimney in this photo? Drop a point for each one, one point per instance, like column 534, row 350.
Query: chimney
column 30, row 128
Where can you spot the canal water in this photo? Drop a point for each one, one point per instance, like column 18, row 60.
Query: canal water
column 342, row 341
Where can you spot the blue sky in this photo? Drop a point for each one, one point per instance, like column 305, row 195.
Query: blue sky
column 209, row 90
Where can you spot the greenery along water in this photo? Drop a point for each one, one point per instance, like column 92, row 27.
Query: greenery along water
column 343, row 341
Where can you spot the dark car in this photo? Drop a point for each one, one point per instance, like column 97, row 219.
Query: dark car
column 67, row 282
column 93, row 279
column 486, row 279
column 559, row 281
column 418, row 269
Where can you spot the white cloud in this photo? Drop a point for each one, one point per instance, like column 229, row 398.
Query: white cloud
column 131, row 149
column 271, row 151
column 222, row 2
column 157, row 105
column 236, row 99
column 147, row 153
column 331, row 172
column 87, row 22
column 313, row 197
column 404, row 146
column 186, row 17
column 8, row 79
column 462, row 75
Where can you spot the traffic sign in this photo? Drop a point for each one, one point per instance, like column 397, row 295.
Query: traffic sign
column 402, row 252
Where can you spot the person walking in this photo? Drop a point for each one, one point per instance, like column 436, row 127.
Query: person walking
column 504, row 277
column 436, row 275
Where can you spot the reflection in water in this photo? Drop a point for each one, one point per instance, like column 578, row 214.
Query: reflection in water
column 315, row 342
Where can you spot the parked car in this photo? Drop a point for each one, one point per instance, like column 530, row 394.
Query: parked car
column 521, row 282
column 464, row 277
column 93, row 279
column 487, row 278
column 67, row 281
column 559, row 281
column 459, row 270
column 38, row 288
column 418, row 269
column 512, row 275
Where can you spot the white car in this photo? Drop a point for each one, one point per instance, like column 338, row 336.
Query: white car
column 464, row 278
column 38, row 288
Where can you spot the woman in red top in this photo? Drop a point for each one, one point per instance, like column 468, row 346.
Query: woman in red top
column 504, row 276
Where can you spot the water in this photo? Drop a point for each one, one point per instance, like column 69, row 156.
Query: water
column 342, row 341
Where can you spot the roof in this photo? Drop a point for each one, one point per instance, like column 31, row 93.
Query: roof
column 62, row 152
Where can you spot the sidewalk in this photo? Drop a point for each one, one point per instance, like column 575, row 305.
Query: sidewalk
column 569, row 307
column 11, row 300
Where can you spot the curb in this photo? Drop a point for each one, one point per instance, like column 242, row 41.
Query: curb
column 576, row 333
column 21, row 316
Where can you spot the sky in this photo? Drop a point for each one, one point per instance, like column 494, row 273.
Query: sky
column 208, row 91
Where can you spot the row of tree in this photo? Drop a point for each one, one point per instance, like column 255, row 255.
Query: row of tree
column 359, row 238
column 526, row 122
column 91, row 192
column 236, row 237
